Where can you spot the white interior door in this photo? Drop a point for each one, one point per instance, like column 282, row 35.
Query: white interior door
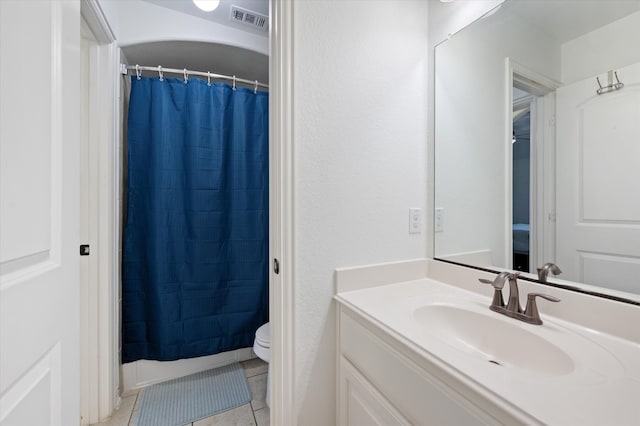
column 39, row 187
column 598, row 178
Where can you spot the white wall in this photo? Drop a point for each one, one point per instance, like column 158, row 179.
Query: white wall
column 470, row 127
column 135, row 21
column 448, row 18
column 360, row 107
column 608, row 48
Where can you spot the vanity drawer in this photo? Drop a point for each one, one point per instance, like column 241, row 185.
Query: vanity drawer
column 420, row 397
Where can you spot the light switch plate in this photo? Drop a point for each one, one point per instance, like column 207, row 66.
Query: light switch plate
column 439, row 220
column 415, row 220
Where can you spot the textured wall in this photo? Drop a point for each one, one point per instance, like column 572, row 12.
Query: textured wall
column 360, row 95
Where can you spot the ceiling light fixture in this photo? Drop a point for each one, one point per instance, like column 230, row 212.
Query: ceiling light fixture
column 207, row 5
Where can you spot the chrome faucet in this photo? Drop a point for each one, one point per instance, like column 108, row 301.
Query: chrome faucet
column 546, row 268
column 513, row 309
column 513, row 306
column 497, row 304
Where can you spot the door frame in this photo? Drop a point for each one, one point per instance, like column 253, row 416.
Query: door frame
column 531, row 102
column 281, row 217
column 542, row 193
column 281, row 202
column 99, row 335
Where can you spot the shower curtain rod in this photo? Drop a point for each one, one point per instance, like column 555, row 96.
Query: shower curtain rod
column 124, row 69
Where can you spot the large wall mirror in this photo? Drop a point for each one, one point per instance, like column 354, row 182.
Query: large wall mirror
column 537, row 143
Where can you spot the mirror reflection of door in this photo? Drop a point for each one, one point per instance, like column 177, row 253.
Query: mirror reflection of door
column 532, row 169
column 523, row 102
column 598, row 196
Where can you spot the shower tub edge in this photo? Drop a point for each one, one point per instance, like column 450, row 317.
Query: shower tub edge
column 143, row 373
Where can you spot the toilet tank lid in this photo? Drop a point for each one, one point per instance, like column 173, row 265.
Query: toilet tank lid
column 263, row 335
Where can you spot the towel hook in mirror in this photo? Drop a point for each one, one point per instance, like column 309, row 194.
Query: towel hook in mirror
column 611, row 86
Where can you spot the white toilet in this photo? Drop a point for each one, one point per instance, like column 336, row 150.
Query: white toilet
column 262, row 348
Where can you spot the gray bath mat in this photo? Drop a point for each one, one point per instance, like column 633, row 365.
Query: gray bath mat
column 187, row 399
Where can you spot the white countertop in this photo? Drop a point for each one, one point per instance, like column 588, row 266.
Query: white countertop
column 601, row 388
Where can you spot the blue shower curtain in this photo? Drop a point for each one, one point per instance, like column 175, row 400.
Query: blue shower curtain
column 195, row 278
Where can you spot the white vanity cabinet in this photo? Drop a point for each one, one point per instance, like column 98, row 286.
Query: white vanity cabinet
column 429, row 351
column 361, row 403
column 380, row 384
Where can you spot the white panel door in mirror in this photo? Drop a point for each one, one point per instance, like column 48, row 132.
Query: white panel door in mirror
column 598, row 198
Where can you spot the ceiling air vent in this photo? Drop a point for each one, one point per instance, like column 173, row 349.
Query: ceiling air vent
column 248, row 17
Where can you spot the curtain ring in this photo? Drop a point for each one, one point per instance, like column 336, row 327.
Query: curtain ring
column 138, row 71
column 160, row 73
column 234, row 83
column 186, row 77
column 209, row 78
column 255, row 89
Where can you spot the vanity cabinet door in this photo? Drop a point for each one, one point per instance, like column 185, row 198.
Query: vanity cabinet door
column 362, row 404
column 375, row 378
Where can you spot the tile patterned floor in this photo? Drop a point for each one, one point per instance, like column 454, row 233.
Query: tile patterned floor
column 255, row 413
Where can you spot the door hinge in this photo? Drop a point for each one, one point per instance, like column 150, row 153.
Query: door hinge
column 84, row 250
column 276, row 266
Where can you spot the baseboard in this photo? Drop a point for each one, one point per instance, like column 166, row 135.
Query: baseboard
column 138, row 374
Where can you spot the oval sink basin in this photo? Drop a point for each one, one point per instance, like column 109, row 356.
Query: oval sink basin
column 493, row 339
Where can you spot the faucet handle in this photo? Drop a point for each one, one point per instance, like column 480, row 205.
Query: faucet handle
column 498, row 281
column 531, row 310
column 532, row 296
column 497, row 285
column 497, row 304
